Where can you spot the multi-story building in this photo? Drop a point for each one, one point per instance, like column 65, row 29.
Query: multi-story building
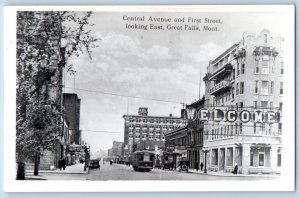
column 148, row 132
column 117, row 149
column 188, row 140
column 247, row 76
column 71, row 104
column 36, row 36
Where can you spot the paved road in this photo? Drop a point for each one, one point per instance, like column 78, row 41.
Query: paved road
column 122, row 172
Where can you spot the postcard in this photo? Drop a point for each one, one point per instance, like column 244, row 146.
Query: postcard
column 149, row 98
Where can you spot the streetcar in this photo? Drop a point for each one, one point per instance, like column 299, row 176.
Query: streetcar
column 143, row 160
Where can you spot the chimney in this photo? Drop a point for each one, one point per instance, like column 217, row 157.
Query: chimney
column 171, row 115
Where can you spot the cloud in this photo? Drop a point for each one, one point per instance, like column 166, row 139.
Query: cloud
column 208, row 51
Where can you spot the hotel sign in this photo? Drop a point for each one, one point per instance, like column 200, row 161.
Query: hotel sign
column 245, row 116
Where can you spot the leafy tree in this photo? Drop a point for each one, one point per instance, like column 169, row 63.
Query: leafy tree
column 45, row 42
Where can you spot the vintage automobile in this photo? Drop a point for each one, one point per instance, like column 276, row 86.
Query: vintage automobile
column 143, row 160
column 169, row 160
column 184, row 165
column 94, row 164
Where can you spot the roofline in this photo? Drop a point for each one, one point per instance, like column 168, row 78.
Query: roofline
column 176, row 130
column 225, row 52
column 167, row 117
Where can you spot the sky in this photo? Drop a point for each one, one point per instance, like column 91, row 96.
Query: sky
column 154, row 64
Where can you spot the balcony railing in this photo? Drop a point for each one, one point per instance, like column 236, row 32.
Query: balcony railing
column 220, row 86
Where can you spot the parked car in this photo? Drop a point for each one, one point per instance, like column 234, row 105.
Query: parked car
column 95, row 164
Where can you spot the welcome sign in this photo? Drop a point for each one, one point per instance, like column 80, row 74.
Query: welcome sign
column 245, row 116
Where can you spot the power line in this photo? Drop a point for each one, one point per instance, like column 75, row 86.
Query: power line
column 101, row 131
column 126, row 96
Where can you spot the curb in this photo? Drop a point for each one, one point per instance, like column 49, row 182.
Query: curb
column 62, row 172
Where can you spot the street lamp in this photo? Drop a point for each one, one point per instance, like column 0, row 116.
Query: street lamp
column 205, row 150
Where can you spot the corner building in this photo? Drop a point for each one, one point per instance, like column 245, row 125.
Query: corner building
column 148, row 132
column 247, row 76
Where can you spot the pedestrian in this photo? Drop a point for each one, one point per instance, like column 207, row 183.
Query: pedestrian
column 63, row 163
column 201, row 166
column 236, row 168
column 59, row 164
column 197, row 166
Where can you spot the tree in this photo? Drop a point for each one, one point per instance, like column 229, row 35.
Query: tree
column 45, row 42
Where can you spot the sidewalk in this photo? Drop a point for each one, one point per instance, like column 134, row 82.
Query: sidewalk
column 194, row 171
column 73, row 169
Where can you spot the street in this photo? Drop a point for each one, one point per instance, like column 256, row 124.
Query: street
column 123, row 172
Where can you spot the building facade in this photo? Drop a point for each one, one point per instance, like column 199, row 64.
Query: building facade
column 71, row 104
column 188, row 140
column 148, row 132
column 248, row 76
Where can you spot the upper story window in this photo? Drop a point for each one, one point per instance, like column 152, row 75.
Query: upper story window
column 257, row 66
column 272, row 87
column 233, row 74
column 265, row 38
column 280, row 106
column 265, row 67
column 237, row 69
column 281, row 68
column 281, row 87
column 243, row 68
column 264, row 87
column 256, row 87
column 242, row 88
column 237, row 88
column 264, row 104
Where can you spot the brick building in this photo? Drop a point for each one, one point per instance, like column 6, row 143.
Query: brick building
column 33, row 37
column 71, row 104
column 188, row 140
column 148, row 132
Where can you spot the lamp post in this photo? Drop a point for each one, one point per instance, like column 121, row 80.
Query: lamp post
column 205, row 150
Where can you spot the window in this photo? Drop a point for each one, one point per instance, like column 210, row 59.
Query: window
column 261, row 159
column 221, row 134
column 233, row 74
column 255, row 104
column 254, row 128
column 232, row 95
column 265, row 38
column 256, row 87
column 271, row 104
column 257, row 66
column 243, row 68
column 281, row 87
column 264, row 87
column 280, row 106
column 238, row 69
column 265, row 67
column 281, row 68
column 241, row 128
column 279, row 157
column 242, row 88
column 236, row 128
column 241, row 105
column 264, row 104
column 279, row 128
column 251, row 158
column 237, row 88
column 272, row 87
